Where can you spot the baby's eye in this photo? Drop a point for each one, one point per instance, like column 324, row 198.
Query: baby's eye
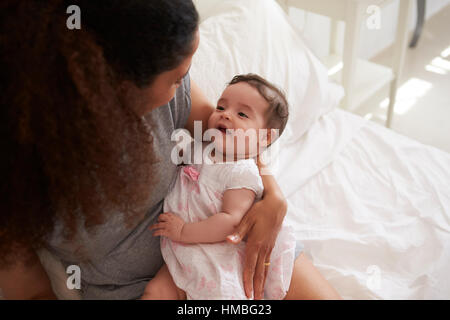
column 241, row 114
column 220, row 108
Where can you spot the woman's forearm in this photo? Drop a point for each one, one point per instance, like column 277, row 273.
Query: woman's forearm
column 271, row 187
column 214, row 229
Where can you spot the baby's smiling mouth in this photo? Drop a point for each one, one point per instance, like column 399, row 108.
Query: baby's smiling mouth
column 222, row 129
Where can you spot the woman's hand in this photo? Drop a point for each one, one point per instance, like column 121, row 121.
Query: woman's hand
column 260, row 225
column 169, row 225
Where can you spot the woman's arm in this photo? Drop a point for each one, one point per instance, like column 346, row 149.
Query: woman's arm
column 260, row 227
column 201, row 109
column 216, row 228
column 26, row 280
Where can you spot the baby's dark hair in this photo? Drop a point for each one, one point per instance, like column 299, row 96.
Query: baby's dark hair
column 278, row 111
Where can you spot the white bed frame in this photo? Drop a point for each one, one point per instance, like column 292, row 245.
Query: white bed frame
column 360, row 78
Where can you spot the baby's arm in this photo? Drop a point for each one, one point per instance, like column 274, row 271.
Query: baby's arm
column 216, row 228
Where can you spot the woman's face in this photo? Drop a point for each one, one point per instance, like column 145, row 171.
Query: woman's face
column 162, row 89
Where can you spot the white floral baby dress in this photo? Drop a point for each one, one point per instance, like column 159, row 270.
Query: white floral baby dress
column 215, row 271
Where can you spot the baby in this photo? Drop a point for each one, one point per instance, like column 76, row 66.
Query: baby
column 208, row 200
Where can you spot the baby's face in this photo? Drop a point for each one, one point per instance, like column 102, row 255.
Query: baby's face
column 240, row 107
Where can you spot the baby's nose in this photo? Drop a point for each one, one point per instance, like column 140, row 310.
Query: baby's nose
column 226, row 115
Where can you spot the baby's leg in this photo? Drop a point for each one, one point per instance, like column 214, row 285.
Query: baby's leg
column 162, row 287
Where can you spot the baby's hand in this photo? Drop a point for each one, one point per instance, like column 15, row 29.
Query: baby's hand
column 169, row 225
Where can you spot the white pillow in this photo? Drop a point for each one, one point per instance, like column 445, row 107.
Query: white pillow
column 256, row 36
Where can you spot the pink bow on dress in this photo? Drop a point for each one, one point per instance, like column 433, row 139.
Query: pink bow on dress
column 190, row 178
column 191, row 172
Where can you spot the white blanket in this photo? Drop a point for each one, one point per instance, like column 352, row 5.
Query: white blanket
column 375, row 218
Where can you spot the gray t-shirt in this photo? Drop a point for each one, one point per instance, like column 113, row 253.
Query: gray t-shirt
column 121, row 261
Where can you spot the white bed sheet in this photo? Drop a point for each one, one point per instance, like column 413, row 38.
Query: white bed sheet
column 372, row 208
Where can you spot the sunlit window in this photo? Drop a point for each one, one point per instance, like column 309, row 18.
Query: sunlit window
column 434, row 69
column 446, row 52
column 440, row 65
column 407, row 95
column 368, row 116
column 335, row 69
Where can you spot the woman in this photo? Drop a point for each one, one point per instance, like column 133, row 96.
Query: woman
column 86, row 122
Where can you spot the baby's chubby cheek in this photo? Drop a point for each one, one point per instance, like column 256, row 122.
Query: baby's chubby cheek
column 241, row 142
column 210, row 121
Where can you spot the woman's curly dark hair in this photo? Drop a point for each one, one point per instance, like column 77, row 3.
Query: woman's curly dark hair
column 69, row 139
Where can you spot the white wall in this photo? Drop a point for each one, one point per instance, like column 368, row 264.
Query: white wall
column 316, row 29
column 372, row 41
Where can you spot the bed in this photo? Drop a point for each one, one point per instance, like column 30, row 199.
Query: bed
column 371, row 207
